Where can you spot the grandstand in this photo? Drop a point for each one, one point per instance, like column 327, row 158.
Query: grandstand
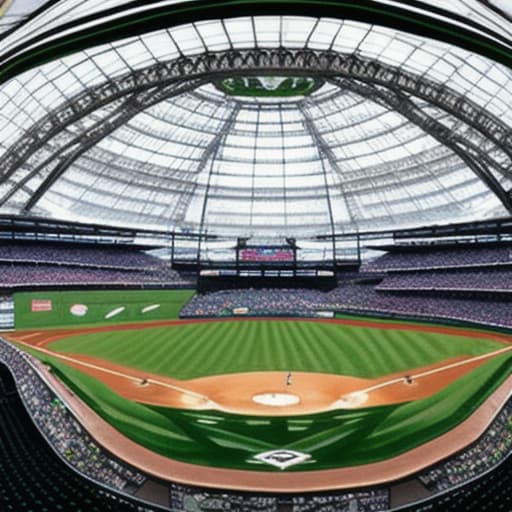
column 256, row 256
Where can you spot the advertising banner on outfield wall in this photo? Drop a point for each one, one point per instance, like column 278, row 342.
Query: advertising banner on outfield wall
column 38, row 305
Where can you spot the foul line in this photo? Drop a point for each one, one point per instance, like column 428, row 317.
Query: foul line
column 174, row 387
column 27, row 336
column 429, row 372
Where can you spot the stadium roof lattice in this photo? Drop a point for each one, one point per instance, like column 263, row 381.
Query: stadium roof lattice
column 256, row 118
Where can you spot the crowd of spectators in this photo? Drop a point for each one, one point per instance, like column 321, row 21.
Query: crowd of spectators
column 183, row 497
column 62, row 430
column 456, row 257
column 267, row 301
column 474, row 279
column 28, row 274
column 475, row 460
column 71, row 254
column 359, row 297
column 188, row 498
column 451, row 293
column 359, row 501
column 364, row 297
column 49, row 264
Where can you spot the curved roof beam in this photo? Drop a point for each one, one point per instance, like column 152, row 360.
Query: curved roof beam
column 256, row 61
column 325, row 151
column 208, row 155
column 121, row 114
column 472, row 155
column 51, row 44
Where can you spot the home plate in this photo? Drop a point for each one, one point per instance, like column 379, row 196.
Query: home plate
column 276, row 399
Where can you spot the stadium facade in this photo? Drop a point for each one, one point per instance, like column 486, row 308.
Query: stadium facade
column 261, row 154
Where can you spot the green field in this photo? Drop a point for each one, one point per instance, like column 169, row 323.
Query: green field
column 333, row 439
column 99, row 304
column 222, row 346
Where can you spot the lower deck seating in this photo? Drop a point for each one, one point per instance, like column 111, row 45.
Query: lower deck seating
column 354, row 296
column 32, row 477
column 491, row 493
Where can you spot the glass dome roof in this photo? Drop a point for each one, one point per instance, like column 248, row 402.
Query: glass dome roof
column 263, row 125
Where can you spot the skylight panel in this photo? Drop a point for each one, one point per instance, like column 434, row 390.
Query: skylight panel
column 213, row 34
column 267, row 31
column 324, row 32
column 240, row 32
column 296, row 31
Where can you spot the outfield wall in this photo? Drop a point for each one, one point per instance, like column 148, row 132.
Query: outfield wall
column 85, row 307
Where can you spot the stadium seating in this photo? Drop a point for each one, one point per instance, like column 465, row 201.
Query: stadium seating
column 63, row 431
column 87, row 255
column 491, row 493
column 42, row 265
column 34, row 275
column 350, row 297
column 463, row 256
column 266, row 301
column 31, row 475
column 471, row 284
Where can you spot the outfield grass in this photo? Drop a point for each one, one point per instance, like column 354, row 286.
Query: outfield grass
column 333, row 439
column 221, row 347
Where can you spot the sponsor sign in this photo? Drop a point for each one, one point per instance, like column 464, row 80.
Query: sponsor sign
column 325, row 314
column 78, row 309
column 38, row 305
column 209, row 272
column 240, row 311
column 152, row 307
column 114, row 312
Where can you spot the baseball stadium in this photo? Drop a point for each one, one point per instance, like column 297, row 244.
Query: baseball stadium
column 255, row 256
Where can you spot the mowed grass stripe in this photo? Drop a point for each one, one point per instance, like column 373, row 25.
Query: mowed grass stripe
column 230, row 351
column 388, row 356
column 300, row 340
column 244, row 347
column 221, row 351
column 318, row 346
column 220, row 347
column 181, row 344
column 133, row 350
column 409, row 352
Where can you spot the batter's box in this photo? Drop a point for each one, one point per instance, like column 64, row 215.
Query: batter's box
column 282, row 459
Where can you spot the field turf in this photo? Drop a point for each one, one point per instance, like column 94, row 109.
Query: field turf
column 333, row 439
